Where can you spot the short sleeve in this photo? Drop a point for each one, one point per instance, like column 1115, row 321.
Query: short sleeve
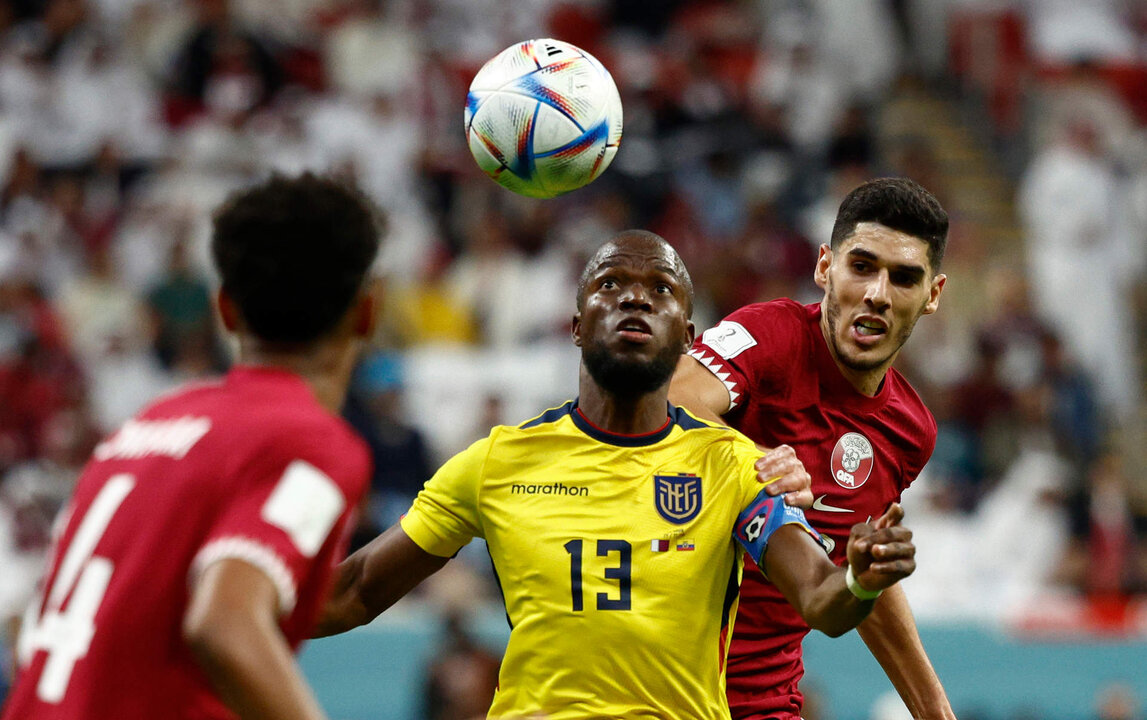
column 761, row 514
column 444, row 516
column 754, row 349
column 286, row 503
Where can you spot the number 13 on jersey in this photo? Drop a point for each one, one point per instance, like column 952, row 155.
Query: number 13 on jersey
column 621, row 573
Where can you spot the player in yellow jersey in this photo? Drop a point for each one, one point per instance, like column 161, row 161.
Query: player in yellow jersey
column 616, row 522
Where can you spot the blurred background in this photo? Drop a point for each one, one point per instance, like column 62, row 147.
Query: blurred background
column 124, row 122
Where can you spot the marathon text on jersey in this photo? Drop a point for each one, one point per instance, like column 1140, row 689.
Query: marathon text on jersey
column 556, row 488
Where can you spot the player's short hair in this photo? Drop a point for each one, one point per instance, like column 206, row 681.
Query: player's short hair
column 293, row 252
column 646, row 236
column 897, row 203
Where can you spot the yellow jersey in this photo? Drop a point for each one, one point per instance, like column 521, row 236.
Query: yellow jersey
column 618, row 556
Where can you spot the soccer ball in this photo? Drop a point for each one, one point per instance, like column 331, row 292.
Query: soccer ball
column 543, row 118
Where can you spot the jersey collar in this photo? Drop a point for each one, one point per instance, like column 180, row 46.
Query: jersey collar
column 582, row 423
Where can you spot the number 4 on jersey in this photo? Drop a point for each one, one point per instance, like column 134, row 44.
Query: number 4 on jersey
column 66, row 633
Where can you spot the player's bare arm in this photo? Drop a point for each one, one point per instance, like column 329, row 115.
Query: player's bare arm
column 232, row 627
column 698, row 390
column 374, row 578
column 891, row 636
column 880, row 554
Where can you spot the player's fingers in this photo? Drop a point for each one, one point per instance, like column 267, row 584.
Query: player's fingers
column 892, row 516
column 891, row 535
column 790, row 480
column 785, row 475
column 893, row 550
column 869, row 543
column 801, row 499
column 899, row 568
column 779, row 460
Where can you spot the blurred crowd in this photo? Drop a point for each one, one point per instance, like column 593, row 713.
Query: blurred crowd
column 124, row 122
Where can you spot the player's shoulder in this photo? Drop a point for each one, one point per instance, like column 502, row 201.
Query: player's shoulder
column 783, row 309
column 775, row 323
column 271, row 412
column 905, row 407
column 314, row 432
column 688, row 422
column 546, row 420
column 906, row 398
column 711, row 435
column 549, row 425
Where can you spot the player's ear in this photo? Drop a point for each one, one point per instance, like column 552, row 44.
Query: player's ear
column 690, row 335
column 575, row 329
column 228, row 311
column 823, row 262
column 934, row 293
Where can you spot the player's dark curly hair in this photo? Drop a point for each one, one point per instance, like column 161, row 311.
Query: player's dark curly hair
column 293, row 253
column 897, row 203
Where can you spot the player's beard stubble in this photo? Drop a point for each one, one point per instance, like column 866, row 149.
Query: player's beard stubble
column 832, row 315
column 630, row 378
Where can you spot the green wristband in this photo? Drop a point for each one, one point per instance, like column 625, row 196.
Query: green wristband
column 856, row 588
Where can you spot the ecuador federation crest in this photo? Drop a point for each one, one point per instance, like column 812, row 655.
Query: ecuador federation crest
column 677, row 497
column 851, row 461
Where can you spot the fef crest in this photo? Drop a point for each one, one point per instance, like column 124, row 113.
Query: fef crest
column 677, row 497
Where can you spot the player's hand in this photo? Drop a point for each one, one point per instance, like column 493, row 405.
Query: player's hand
column 881, row 552
column 782, row 466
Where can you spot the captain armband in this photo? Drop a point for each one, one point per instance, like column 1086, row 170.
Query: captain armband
column 763, row 517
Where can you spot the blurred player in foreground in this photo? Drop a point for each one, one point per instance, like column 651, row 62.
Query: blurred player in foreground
column 613, row 523
column 820, row 378
column 197, row 549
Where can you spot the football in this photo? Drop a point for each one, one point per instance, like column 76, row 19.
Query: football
column 543, row 117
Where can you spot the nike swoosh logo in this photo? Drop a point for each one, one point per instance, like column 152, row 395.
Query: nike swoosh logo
column 819, row 504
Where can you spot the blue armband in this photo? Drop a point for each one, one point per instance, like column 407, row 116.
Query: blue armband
column 763, row 516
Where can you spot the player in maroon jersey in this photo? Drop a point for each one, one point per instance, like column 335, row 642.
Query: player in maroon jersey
column 819, row 378
column 195, row 553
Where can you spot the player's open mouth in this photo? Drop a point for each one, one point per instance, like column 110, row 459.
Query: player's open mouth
column 634, row 330
column 869, row 327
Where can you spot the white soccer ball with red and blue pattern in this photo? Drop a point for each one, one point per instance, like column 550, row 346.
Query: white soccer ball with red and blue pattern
column 543, row 117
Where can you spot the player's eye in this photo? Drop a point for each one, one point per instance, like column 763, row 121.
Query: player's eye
column 663, row 289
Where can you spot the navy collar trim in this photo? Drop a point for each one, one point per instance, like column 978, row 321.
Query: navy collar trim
column 619, row 439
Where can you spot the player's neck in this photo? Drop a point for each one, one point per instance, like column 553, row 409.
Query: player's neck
column 623, row 415
column 326, row 368
column 866, row 382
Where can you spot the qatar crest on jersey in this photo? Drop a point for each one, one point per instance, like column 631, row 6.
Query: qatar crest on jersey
column 851, row 461
column 677, row 497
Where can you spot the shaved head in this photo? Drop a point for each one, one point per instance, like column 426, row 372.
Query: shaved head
column 636, row 241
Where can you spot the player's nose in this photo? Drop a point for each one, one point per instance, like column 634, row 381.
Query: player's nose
column 876, row 293
column 635, row 296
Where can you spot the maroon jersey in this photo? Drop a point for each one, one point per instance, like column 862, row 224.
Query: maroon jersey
column 861, row 453
column 251, row 467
